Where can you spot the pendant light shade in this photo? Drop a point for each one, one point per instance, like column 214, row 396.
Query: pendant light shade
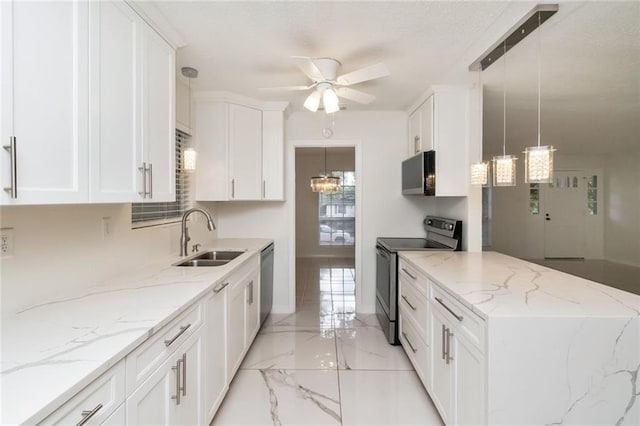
column 189, row 159
column 480, row 173
column 325, row 183
column 538, row 160
column 330, row 101
column 313, row 101
column 504, row 170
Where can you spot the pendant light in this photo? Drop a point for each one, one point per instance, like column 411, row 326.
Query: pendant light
column 480, row 170
column 538, row 159
column 189, row 154
column 504, row 166
column 325, row 183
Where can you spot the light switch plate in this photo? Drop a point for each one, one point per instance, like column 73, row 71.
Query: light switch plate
column 6, row 242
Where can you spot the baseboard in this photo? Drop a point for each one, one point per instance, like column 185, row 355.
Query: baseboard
column 283, row 309
column 332, row 256
column 622, row 262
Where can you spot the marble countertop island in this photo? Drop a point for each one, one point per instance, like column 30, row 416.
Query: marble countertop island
column 52, row 350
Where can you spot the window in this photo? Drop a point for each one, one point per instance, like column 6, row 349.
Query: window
column 592, row 195
column 337, row 212
column 534, row 198
column 149, row 214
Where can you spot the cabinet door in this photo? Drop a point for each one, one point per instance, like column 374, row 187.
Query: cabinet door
column 252, row 297
column 415, row 132
column 214, row 364
column 158, row 115
column 235, row 327
column 245, row 152
column 272, row 155
column 115, row 75
column 44, row 73
column 211, row 123
column 469, row 378
column 118, row 418
column 426, row 125
column 442, row 371
column 190, row 411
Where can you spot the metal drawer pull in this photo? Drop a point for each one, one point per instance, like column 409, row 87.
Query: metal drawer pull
column 449, row 334
column 408, row 303
column 444, row 354
column 458, row 317
column 184, row 374
column 220, row 287
column 87, row 414
column 409, row 342
column 176, row 368
column 409, row 273
column 11, row 149
column 183, row 328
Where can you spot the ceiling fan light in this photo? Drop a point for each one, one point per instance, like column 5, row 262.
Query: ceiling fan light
column 313, row 101
column 330, row 101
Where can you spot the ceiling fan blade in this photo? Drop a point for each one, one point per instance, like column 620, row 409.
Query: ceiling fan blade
column 285, row 88
column 308, row 67
column 355, row 95
column 363, row 74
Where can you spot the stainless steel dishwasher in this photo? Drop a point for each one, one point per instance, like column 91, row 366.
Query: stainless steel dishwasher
column 266, row 282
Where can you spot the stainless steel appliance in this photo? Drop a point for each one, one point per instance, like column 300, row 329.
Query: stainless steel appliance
column 266, row 282
column 442, row 234
column 419, row 174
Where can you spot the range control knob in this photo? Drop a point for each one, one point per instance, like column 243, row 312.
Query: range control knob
column 450, row 227
column 429, row 222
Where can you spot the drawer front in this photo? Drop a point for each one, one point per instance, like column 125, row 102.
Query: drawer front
column 147, row 357
column 414, row 346
column 464, row 321
column 413, row 276
column 415, row 305
column 94, row 404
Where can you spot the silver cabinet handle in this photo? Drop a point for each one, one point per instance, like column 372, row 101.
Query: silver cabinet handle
column 183, row 328
column 409, row 273
column 409, row 342
column 176, row 368
column 416, row 140
column 184, row 374
column 250, row 296
column 264, row 189
column 233, row 188
column 143, row 169
column 87, row 414
column 408, row 303
column 11, row 149
column 444, row 354
column 449, row 334
column 150, row 180
column 458, row 317
column 220, row 287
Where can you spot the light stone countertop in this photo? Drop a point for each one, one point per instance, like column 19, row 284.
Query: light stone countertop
column 52, row 350
column 496, row 285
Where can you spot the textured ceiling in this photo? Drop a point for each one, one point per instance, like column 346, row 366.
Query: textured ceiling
column 590, row 59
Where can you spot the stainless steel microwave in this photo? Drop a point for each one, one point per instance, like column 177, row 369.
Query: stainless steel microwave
column 419, row 174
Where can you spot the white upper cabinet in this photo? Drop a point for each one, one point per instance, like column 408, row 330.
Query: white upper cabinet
column 132, row 92
column 245, row 152
column 240, row 151
column 44, row 73
column 183, row 106
column 440, row 123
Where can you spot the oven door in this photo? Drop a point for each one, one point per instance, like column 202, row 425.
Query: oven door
column 386, row 282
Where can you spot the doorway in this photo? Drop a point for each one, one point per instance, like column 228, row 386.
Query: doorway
column 564, row 215
column 324, row 237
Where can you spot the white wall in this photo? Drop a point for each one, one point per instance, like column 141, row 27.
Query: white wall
column 384, row 212
column 60, row 249
column 310, row 162
column 622, row 204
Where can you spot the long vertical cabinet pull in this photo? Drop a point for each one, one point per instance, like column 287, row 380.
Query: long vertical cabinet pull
column 449, row 335
column 11, row 149
column 143, row 169
column 233, row 188
column 150, row 169
column 264, row 189
column 444, row 353
column 250, row 295
column 177, row 369
column 184, row 374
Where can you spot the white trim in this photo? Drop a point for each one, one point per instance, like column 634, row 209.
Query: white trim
column 222, row 96
column 291, row 197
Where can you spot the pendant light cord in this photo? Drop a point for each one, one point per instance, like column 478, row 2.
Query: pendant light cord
column 539, row 74
column 504, row 100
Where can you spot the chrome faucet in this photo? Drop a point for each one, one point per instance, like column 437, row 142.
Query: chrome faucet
column 184, row 238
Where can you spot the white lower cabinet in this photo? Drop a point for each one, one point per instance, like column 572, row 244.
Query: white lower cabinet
column 173, row 393
column 215, row 361
column 118, row 418
column 235, row 327
column 442, row 371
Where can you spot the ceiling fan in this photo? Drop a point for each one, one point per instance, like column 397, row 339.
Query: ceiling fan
column 328, row 86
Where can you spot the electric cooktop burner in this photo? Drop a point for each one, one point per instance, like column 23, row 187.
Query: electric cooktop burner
column 396, row 244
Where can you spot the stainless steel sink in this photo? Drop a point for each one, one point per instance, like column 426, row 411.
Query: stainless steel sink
column 211, row 258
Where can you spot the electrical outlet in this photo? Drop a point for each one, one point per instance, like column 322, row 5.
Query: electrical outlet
column 6, row 242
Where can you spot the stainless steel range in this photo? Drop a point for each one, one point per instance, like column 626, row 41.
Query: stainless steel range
column 442, row 234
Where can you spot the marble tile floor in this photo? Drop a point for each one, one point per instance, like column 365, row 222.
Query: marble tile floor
column 325, row 365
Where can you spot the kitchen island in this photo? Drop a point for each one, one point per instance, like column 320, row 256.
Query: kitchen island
column 59, row 348
column 506, row 341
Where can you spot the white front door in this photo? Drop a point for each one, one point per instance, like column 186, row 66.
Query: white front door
column 564, row 208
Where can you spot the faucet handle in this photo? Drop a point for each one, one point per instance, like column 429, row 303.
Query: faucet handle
column 195, row 248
